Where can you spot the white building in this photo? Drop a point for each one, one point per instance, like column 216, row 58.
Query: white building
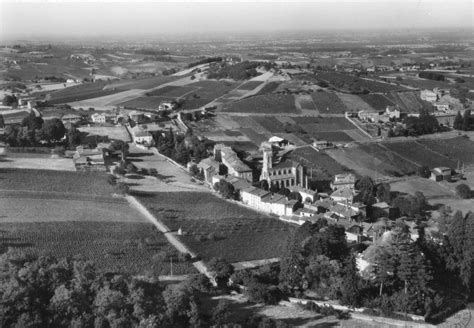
column 428, row 95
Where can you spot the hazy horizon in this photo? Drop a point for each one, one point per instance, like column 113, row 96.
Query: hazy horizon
column 130, row 19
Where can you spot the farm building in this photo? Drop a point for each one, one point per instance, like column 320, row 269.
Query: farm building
column 368, row 116
column 441, row 173
column 208, row 167
column 343, row 181
column 167, row 105
column 343, row 195
column 234, row 165
column 102, row 117
column 137, row 116
column 445, row 119
column 322, row 144
column 428, row 95
column 280, row 142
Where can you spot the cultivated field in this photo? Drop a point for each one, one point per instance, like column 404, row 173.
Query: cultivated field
column 35, row 161
column 431, row 189
column 408, row 101
column 458, row 149
column 266, row 104
column 113, row 246
column 81, row 92
column 354, row 103
column 328, row 102
column 143, row 84
column 419, row 154
column 235, row 232
column 376, row 101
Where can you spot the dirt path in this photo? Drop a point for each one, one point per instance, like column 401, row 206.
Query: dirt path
column 199, row 265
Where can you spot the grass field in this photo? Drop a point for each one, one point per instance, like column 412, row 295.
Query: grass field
column 144, row 102
column 89, row 183
column 420, row 154
column 113, row 246
column 13, row 161
column 172, row 91
column 206, row 92
column 269, row 103
column 354, row 103
column 143, row 84
column 328, row 102
column 460, row 148
column 240, row 233
column 115, row 132
column 350, row 83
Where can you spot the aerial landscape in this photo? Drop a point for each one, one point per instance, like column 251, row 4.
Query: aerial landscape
column 290, row 164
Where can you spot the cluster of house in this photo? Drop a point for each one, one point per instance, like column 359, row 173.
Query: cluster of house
column 390, row 113
column 339, row 205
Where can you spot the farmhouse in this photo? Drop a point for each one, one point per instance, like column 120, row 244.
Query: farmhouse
column 368, row 116
column 142, row 137
column 343, row 195
column 392, row 112
column 441, row 173
column 322, row 144
column 280, row 142
column 208, row 167
column 234, row 165
column 137, row 116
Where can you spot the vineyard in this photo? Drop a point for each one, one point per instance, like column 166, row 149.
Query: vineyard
column 355, row 84
column 268, row 88
column 420, row 154
column 81, row 92
column 323, row 124
column 460, row 148
column 328, row 102
column 171, row 91
column 378, row 102
column 215, row 227
column 119, row 247
column 269, row 103
column 250, row 85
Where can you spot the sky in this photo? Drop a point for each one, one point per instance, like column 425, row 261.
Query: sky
column 24, row 19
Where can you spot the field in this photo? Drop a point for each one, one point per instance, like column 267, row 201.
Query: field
column 268, row 104
column 373, row 160
column 431, row 189
column 424, row 83
column 171, row 91
column 144, row 84
column 268, row 88
column 352, row 83
column 409, row 101
column 354, row 103
column 206, row 92
column 89, row 183
column 270, row 123
column 250, row 85
column 328, row 102
column 240, row 233
column 144, row 102
column 333, row 136
column 460, row 148
column 376, row 101
column 34, row 161
column 323, row 124
column 112, row 246
column 419, row 154
column 320, row 165
column 81, row 92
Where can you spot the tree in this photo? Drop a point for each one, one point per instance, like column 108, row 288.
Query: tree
column 424, row 171
column 466, row 120
column 2, row 121
column 458, row 121
column 73, row 137
column 221, row 313
column 53, row 130
column 226, row 189
column 10, row 100
column 221, row 270
column 463, row 191
column 383, row 193
column 366, row 189
column 350, row 291
column 292, row 265
column 32, row 121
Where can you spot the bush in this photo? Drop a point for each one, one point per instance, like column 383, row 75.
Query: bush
column 463, row 191
column 262, row 293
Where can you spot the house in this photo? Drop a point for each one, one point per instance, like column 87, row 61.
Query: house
column 71, row 119
column 142, row 137
column 208, row 167
column 306, row 194
column 441, row 173
column 342, row 181
column 167, row 105
column 233, row 163
column 428, row 95
column 392, row 112
column 280, row 142
column 343, row 195
column 137, row 117
column 322, row 144
column 102, row 117
column 267, row 202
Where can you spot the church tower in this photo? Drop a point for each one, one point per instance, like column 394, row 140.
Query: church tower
column 267, row 162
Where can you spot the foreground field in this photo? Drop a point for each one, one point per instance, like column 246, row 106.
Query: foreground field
column 216, row 228
column 113, row 246
column 89, row 183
